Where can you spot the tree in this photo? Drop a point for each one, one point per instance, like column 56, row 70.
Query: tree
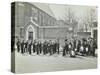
column 70, row 18
column 88, row 20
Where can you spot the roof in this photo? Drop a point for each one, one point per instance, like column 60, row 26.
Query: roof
column 44, row 7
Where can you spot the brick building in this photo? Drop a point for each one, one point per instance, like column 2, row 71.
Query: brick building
column 36, row 21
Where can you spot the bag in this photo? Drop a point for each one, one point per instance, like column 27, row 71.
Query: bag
column 81, row 48
column 69, row 46
column 75, row 49
column 72, row 53
column 86, row 49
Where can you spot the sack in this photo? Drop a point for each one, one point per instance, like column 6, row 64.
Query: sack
column 86, row 49
column 81, row 48
column 69, row 46
column 75, row 49
column 72, row 53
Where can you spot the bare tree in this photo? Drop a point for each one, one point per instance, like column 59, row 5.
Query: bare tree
column 85, row 23
column 70, row 18
column 89, row 19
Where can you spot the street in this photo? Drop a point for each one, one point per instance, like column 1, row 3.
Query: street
column 39, row 63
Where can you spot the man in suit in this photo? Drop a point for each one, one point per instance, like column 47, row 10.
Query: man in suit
column 94, row 46
column 53, row 47
column 74, row 44
column 57, row 47
column 34, row 46
column 39, row 50
column 22, row 47
column 37, row 47
column 78, row 45
column 57, row 43
column 40, row 47
column 50, row 47
column 65, row 47
column 18, row 45
column 30, row 47
column 86, row 48
column 26, row 46
column 44, row 48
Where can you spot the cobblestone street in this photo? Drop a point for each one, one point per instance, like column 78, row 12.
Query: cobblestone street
column 40, row 63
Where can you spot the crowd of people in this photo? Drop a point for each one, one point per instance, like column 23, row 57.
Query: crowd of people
column 72, row 47
column 38, row 47
column 84, row 47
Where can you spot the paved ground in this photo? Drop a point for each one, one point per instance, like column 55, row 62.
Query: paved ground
column 39, row 63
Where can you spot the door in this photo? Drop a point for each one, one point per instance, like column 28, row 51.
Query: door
column 30, row 35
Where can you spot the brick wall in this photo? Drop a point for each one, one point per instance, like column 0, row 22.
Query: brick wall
column 53, row 34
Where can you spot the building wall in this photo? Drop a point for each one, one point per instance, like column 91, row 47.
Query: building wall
column 25, row 12
column 53, row 34
column 84, row 34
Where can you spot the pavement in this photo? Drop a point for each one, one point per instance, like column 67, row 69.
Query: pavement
column 25, row 63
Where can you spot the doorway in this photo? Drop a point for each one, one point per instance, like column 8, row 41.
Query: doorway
column 30, row 35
